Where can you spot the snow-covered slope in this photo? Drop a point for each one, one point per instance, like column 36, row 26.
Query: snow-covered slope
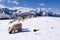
column 49, row 29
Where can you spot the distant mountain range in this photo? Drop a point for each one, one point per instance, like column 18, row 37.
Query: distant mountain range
column 6, row 13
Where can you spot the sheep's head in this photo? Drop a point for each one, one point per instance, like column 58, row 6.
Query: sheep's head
column 10, row 30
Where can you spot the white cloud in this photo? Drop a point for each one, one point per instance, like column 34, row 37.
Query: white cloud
column 3, row 0
column 2, row 6
column 0, row 0
column 8, row 1
column 50, row 8
column 15, row 2
column 41, row 4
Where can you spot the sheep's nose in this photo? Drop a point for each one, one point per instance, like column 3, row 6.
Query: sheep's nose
column 9, row 32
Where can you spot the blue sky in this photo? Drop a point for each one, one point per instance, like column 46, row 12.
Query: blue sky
column 32, row 3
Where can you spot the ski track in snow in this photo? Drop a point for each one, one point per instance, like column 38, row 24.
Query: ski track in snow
column 44, row 24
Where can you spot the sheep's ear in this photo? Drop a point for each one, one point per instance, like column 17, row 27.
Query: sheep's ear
column 12, row 21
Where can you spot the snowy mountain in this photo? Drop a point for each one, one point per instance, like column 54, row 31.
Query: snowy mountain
column 20, row 12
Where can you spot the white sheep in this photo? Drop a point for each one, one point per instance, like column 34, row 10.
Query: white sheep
column 15, row 26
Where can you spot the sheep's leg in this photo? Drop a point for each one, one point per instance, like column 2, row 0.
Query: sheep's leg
column 20, row 30
column 13, row 31
column 16, row 30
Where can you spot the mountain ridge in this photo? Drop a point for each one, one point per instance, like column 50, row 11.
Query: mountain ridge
column 23, row 13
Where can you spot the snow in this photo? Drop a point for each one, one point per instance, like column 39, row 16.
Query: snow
column 49, row 29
